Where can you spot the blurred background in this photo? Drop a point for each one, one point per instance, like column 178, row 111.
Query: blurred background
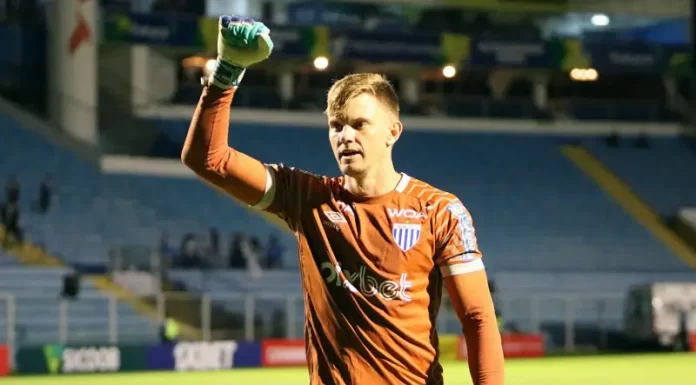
column 566, row 127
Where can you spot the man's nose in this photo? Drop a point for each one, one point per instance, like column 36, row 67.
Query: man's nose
column 348, row 133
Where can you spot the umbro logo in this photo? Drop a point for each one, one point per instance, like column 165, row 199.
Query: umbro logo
column 335, row 217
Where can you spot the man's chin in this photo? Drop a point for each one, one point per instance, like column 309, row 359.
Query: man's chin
column 349, row 169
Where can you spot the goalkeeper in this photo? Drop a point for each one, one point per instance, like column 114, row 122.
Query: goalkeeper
column 376, row 246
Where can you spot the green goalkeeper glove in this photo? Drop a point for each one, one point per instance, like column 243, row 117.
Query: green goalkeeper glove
column 241, row 43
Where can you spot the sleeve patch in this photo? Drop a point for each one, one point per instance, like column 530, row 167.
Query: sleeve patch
column 465, row 225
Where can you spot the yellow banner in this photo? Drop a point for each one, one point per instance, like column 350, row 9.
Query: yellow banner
column 448, row 347
column 208, row 33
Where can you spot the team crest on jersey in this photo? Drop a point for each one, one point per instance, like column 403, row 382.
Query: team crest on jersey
column 406, row 235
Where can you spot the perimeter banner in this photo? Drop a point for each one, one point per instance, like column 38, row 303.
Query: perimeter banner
column 4, row 360
column 291, row 352
column 62, row 359
column 204, row 356
column 182, row 356
column 514, row 346
column 282, row 352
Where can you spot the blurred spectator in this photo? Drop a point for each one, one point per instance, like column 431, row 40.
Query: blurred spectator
column 9, row 215
column 211, row 247
column 274, row 253
column 251, row 251
column 189, row 255
column 642, row 141
column 169, row 331
column 202, row 246
column 166, row 251
column 45, row 193
column 613, row 140
column 236, row 258
column 255, row 245
column 214, row 241
column 12, row 190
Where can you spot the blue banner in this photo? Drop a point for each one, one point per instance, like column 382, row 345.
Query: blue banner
column 199, row 356
column 386, row 46
column 292, row 41
column 152, row 29
column 625, row 57
column 160, row 357
column 348, row 15
column 509, row 53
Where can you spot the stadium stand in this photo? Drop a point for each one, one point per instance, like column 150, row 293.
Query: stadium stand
column 500, row 177
column 662, row 174
column 95, row 211
column 36, row 292
column 566, row 239
column 526, row 218
column 7, row 260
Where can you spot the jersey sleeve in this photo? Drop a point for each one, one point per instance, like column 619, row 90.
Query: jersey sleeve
column 290, row 193
column 457, row 250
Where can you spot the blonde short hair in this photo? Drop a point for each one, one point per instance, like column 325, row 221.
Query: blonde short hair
column 350, row 86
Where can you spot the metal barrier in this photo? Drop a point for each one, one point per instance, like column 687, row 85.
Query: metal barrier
column 34, row 319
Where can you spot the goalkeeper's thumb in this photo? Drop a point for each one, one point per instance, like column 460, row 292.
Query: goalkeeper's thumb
column 241, row 43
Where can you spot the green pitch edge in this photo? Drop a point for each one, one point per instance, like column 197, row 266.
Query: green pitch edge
column 629, row 201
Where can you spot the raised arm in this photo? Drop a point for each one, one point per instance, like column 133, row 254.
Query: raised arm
column 465, row 278
column 241, row 42
column 207, row 153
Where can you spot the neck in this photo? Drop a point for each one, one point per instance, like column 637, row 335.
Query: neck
column 373, row 182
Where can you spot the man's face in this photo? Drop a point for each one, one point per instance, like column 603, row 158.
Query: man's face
column 362, row 134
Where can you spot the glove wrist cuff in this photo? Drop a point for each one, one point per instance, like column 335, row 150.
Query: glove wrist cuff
column 226, row 75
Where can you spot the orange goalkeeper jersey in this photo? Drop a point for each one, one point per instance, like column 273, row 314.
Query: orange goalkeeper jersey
column 372, row 273
column 372, row 268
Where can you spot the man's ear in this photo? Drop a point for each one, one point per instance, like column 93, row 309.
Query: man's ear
column 394, row 133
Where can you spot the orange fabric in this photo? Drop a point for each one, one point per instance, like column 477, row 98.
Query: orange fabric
column 208, row 154
column 472, row 301
column 370, row 267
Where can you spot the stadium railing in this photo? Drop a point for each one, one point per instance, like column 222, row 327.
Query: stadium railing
column 33, row 319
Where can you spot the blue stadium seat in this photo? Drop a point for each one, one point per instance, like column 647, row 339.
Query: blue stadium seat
column 533, row 209
column 663, row 175
column 37, row 304
column 95, row 211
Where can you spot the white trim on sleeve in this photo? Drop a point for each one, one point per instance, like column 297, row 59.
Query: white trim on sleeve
column 270, row 190
column 462, row 268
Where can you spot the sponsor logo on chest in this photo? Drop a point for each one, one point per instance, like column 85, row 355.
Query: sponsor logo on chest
column 406, row 213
